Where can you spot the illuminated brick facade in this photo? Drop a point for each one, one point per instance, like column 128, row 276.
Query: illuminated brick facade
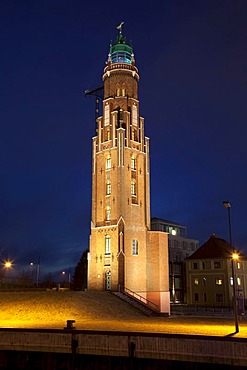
column 123, row 250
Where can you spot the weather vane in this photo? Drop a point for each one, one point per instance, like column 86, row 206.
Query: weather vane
column 120, row 27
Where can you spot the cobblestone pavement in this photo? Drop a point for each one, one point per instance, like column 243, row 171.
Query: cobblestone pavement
column 104, row 311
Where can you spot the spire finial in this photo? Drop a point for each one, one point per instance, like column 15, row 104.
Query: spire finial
column 120, row 27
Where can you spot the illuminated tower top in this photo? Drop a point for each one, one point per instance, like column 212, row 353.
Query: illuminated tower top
column 120, row 51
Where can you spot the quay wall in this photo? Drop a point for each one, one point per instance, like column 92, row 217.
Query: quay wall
column 191, row 348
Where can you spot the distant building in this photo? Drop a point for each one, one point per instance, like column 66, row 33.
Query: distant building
column 209, row 275
column 179, row 248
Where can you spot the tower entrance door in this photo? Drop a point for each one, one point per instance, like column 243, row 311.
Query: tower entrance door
column 108, row 280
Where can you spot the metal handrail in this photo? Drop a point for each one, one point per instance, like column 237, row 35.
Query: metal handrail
column 137, row 296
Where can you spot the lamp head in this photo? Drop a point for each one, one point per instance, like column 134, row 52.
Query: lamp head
column 227, row 204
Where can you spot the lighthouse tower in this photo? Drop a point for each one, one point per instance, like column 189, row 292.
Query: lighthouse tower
column 123, row 251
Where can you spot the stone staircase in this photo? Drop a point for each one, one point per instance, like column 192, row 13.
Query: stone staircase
column 140, row 306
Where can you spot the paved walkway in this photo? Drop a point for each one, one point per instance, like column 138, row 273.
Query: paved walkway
column 104, row 311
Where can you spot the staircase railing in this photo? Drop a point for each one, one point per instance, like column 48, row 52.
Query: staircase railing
column 138, row 297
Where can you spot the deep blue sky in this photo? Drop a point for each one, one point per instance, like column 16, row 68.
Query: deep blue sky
column 192, row 60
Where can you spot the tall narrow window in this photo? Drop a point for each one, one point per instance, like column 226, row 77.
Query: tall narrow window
column 108, row 162
column 108, row 188
column 134, row 247
column 133, row 187
column 133, row 163
column 108, row 213
column 134, row 134
column 107, row 115
column 107, row 244
column 134, row 115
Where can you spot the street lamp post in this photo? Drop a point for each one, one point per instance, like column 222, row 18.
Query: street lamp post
column 64, row 273
column 38, row 271
column 228, row 206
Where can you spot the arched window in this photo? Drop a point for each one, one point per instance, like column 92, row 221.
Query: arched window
column 108, row 187
column 107, row 244
column 118, row 91
column 133, row 187
column 108, row 162
column 133, row 163
column 123, row 92
column 134, row 247
column 108, row 213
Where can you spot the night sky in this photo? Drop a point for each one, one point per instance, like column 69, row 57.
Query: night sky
column 192, row 61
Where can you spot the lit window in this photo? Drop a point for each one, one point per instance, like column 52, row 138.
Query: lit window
column 107, row 114
column 108, row 188
column 231, row 280
column 118, row 92
column 107, row 244
column 133, row 163
column 135, row 247
column 196, row 281
column 108, row 135
column 108, row 162
column 238, row 281
column 134, row 115
column 133, row 187
column 218, row 281
column 108, row 213
column 238, row 265
column 123, row 92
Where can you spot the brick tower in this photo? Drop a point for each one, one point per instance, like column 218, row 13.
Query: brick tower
column 123, row 251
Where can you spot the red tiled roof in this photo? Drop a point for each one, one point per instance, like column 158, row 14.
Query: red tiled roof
column 214, row 248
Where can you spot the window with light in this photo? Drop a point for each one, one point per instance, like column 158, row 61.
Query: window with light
column 108, row 188
column 107, row 244
column 218, row 281
column 133, row 163
column 108, row 162
column 135, row 247
column 196, row 281
column 133, row 187
column 108, row 213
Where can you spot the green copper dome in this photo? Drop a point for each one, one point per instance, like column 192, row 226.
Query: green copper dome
column 120, row 51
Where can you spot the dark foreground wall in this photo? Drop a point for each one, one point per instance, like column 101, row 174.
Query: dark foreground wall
column 80, row 349
column 15, row 360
